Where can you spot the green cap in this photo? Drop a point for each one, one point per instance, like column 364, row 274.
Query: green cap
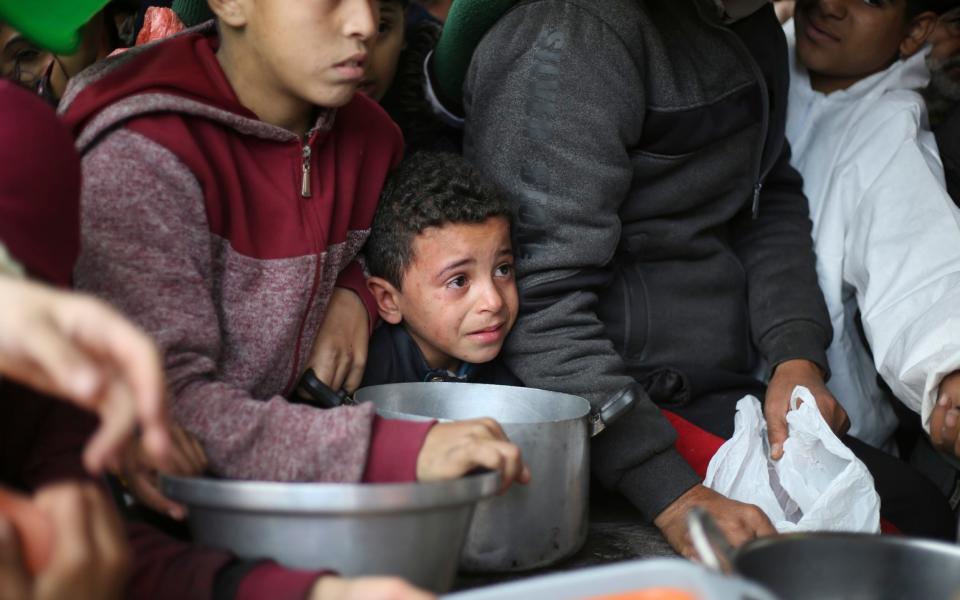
column 52, row 24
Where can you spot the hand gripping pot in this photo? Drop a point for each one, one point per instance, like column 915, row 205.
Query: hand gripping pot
column 537, row 524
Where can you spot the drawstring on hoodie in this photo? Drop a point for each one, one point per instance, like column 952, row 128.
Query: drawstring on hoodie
column 305, row 191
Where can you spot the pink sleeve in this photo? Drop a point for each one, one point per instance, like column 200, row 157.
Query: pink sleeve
column 394, row 448
column 352, row 279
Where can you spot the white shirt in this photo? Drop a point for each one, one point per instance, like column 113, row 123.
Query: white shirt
column 887, row 238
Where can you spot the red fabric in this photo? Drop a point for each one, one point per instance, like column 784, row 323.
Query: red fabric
column 270, row 580
column 697, row 447
column 394, row 448
column 39, row 212
column 352, row 278
column 159, row 22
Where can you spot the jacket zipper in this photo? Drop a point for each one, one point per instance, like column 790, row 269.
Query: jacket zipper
column 305, row 191
column 760, row 174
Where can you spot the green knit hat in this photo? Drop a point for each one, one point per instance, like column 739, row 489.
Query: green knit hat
column 52, row 24
column 192, row 12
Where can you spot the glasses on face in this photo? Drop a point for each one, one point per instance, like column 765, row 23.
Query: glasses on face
column 950, row 21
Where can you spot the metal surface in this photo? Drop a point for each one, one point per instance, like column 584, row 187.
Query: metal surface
column 623, row 578
column 414, row 530
column 848, row 566
column 530, row 526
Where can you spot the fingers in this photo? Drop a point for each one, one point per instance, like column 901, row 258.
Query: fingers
column 117, row 420
column 355, row 374
column 143, row 485
column 937, row 420
column 188, row 456
column 454, row 449
column 59, row 368
column 777, row 434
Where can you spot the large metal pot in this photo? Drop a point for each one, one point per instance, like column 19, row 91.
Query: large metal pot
column 413, row 530
column 530, row 526
column 834, row 566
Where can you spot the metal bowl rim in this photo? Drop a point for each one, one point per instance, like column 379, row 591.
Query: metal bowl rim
column 333, row 499
column 893, row 541
column 392, row 412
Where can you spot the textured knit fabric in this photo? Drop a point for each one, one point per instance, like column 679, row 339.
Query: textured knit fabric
column 887, row 237
column 659, row 224
column 192, row 12
column 194, row 225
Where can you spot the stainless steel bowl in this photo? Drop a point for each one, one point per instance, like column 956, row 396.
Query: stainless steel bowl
column 413, row 530
column 530, row 526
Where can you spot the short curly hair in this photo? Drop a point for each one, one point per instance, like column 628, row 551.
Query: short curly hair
column 428, row 189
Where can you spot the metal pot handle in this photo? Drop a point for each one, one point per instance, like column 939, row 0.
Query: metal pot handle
column 614, row 408
column 712, row 547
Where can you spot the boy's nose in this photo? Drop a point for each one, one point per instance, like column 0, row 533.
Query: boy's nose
column 360, row 18
column 492, row 299
column 833, row 8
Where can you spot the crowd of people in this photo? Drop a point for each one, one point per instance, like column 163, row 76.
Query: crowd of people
column 661, row 205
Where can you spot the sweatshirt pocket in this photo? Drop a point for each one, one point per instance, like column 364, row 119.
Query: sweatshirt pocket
column 623, row 309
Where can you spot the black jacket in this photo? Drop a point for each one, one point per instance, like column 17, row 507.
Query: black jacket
column 394, row 357
column 948, row 140
column 660, row 228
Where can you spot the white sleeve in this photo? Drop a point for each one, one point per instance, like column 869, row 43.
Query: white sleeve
column 902, row 255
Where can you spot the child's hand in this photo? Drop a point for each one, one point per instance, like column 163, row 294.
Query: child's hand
column 339, row 353
column 89, row 559
column 454, row 449
column 141, row 475
column 366, row 588
column 945, row 419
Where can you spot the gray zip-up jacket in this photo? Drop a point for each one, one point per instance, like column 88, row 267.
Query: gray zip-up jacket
column 661, row 232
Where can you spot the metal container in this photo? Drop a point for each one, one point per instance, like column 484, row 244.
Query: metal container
column 532, row 525
column 413, row 530
column 623, row 578
column 834, row 566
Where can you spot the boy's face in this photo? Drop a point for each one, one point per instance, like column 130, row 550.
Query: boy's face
column 944, row 57
column 459, row 298
column 849, row 39
column 385, row 52
column 313, row 51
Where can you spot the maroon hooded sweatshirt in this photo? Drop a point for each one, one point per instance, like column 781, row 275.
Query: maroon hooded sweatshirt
column 41, row 439
column 224, row 236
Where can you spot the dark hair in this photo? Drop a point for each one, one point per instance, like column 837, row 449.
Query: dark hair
column 915, row 7
column 428, row 189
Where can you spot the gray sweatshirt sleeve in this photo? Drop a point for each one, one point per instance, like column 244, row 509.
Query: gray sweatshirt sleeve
column 554, row 100
column 788, row 315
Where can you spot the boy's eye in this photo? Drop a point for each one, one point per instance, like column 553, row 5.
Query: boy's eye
column 876, row 3
column 504, row 270
column 457, row 282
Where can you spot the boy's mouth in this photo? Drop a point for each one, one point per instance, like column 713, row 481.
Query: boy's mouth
column 488, row 335
column 353, row 67
column 817, row 33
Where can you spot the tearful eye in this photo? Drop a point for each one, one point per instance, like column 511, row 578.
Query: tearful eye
column 504, row 270
column 457, row 282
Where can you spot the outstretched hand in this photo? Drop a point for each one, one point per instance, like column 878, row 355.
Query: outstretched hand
column 945, row 419
column 339, row 354
column 76, row 347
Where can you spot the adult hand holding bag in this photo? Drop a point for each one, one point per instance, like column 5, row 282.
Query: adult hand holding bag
column 818, row 484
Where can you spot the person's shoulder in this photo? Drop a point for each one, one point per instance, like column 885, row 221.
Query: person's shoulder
column 887, row 121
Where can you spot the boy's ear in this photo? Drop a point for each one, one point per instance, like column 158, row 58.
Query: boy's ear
column 230, row 12
column 920, row 28
column 388, row 299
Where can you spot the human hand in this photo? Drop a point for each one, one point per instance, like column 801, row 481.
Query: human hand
column 140, row 474
column 776, row 405
column 945, row 419
column 739, row 522
column 451, row 450
column 89, row 559
column 78, row 348
column 339, row 353
column 366, row 588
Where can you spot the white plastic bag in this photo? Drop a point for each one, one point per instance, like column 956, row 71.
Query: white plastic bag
column 818, row 484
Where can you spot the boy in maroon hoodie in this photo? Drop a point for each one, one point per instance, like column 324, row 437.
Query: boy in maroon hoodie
column 230, row 178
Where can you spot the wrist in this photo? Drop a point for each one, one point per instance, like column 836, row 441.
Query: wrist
column 799, row 367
